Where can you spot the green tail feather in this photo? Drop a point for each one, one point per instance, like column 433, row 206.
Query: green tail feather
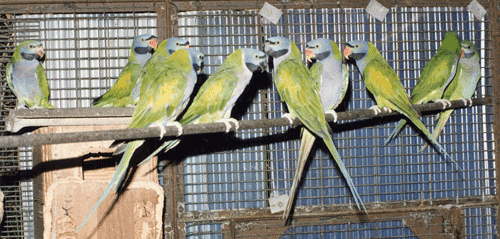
column 427, row 134
column 168, row 145
column 396, row 131
column 443, row 118
column 117, row 177
column 338, row 160
column 306, row 144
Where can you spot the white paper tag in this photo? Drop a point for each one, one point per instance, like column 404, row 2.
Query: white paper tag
column 477, row 9
column 278, row 203
column 271, row 13
column 377, row 10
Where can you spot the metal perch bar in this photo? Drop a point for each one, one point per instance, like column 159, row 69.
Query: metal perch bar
column 152, row 132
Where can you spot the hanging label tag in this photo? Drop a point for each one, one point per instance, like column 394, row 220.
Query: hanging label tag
column 271, row 13
column 376, row 10
column 278, row 203
column 477, row 9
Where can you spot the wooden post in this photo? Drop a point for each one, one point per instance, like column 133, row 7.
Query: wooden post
column 70, row 178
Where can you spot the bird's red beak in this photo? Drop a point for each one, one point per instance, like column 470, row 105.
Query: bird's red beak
column 309, row 55
column 153, row 43
column 462, row 53
column 347, row 52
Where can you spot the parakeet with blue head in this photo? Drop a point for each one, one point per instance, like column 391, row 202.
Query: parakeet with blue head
column 382, row 81
column 26, row 76
column 120, row 94
column 217, row 96
column 331, row 77
column 297, row 89
column 435, row 77
column 463, row 86
column 163, row 99
column 156, row 65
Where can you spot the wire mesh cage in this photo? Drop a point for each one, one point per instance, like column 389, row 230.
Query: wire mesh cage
column 219, row 185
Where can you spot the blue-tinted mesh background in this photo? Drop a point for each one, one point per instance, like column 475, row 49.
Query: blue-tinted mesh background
column 247, row 174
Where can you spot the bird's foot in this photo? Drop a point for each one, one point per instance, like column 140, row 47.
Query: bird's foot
column 467, row 102
column 376, row 109
column 227, row 123
column 162, row 128
column 289, row 117
column 444, row 102
column 387, row 109
column 332, row 113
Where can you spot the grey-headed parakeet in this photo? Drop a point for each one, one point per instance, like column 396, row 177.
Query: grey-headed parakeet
column 435, row 77
column 463, row 85
column 382, row 81
column 26, row 76
column 332, row 79
column 219, row 93
column 297, row 89
column 120, row 94
column 163, row 99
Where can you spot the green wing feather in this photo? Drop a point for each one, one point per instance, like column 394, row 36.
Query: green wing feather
column 44, row 87
column 119, row 95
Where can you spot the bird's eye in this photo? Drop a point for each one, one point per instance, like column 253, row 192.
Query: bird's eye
column 256, row 56
column 356, row 46
column 317, row 46
column 278, row 42
column 201, row 57
column 31, row 46
column 178, row 44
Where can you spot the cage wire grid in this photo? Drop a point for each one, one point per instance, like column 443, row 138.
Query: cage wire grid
column 398, row 172
column 85, row 53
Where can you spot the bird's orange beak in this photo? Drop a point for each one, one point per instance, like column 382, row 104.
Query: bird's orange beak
column 309, row 55
column 462, row 53
column 40, row 51
column 187, row 46
column 347, row 52
column 153, row 43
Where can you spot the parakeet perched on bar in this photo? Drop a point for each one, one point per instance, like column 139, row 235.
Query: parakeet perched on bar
column 297, row 89
column 26, row 76
column 164, row 98
column 435, row 77
column 332, row 79
column 120, row 94
column 219, row 93
column 463, row 85
column 382, row 81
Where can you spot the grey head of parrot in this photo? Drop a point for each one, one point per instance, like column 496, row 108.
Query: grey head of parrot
column 468, row 48
column 32, row 50
column 144, row 44
column 254, row 59
column 196, row 60
column 277, row 46
column 356, row 50
column 318, row 49
column 176, row 43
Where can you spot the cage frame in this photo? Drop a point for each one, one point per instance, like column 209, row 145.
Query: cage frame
column 175, row 219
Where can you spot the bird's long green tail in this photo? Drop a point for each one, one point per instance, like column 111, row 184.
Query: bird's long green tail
column 443, row 118
column 168, row 145
column 427, row 134
column 396, row 131
column 305, row 148
column 117, row 177
column 343, row 169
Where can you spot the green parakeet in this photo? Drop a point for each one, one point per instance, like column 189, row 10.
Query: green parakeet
column 297, row 89
column 435, row 76
column 463, row 85
column 156, row 65
column 26, row 76
column 162, row 101
column 382, row 81
column 219, row 93
column 332, row 79
column 120, row 94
